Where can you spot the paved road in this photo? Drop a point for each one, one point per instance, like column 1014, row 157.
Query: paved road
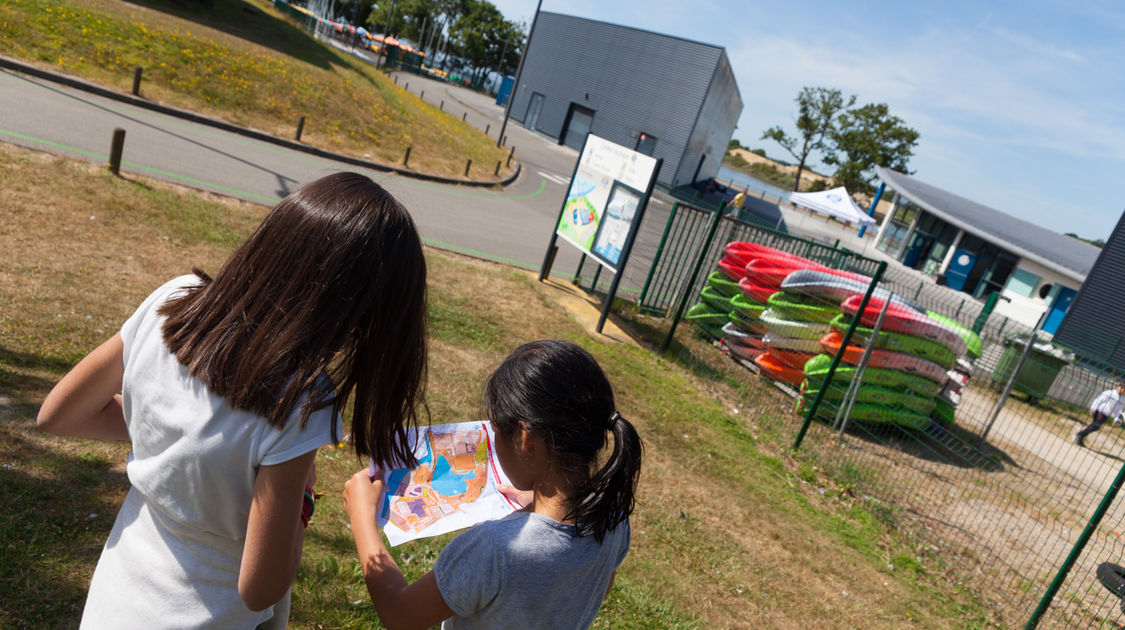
column 512, row 225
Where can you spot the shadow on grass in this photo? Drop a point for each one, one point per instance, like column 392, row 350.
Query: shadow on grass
column 253, row 24
column 58, row 510
column 21, row 387
column 684, row 355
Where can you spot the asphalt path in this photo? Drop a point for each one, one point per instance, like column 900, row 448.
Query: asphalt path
column 511, row 225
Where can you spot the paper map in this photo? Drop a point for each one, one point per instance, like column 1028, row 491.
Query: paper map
column 453, row 486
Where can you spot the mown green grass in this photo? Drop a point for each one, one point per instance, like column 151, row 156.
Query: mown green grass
column 248, row 63
column 727, row 532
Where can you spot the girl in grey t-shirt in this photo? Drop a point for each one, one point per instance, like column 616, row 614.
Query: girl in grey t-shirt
column 551, row 564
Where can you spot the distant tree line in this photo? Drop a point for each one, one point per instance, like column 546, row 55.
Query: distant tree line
column 471, row 33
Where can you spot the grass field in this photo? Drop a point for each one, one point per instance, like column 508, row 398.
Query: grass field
column 246, row 63
column 730, row 531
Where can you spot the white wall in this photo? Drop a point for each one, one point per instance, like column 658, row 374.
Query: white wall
column 1027, row 310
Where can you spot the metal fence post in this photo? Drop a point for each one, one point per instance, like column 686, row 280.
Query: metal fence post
column 839, row 355
column 1079, row 545
column 711, row 230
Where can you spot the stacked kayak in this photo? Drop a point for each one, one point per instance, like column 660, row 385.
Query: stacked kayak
column 745, row 331
column 795, row 324
column 905, row 371
column 789, row 314
column 787, row 340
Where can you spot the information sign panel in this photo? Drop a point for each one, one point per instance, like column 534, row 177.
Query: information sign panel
column 606, row 196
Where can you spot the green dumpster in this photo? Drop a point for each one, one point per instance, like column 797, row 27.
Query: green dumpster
column 1039, row 370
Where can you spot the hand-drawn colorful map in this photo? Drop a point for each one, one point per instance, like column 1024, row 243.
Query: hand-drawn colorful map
column 453, row 486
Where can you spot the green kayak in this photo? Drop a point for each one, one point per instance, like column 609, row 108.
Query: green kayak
column 802, row 307
column 898, row 342
column 972, row 340
column 721, row 283
column 817, row 368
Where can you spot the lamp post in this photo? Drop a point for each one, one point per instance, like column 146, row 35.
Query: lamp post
column 519, row 70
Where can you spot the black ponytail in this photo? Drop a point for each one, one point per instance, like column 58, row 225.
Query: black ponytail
column 609, row 496
column 562, row 395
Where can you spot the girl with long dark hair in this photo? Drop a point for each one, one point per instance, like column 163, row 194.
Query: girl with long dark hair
column 227, row 387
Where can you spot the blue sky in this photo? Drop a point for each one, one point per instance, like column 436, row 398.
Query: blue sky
column 1020, row 105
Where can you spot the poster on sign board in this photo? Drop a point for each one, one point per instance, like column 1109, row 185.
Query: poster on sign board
column 606, row 198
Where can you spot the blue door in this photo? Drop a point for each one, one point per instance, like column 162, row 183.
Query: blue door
column 1058, row 309
column 919, row 247
column 959, row 269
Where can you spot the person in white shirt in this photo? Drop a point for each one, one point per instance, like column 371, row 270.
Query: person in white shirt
column 1107, row 405
column 227, row 387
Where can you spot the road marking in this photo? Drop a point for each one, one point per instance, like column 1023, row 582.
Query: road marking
column 105, row 158
column 558, row 179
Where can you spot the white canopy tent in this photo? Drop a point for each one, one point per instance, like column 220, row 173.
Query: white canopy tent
column 836, row 203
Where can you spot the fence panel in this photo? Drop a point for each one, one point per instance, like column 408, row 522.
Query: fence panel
column 991, row 488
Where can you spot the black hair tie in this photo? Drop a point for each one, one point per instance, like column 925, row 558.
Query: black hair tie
column 613, row 418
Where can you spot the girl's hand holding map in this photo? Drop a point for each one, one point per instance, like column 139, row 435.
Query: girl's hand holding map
column 522, row 497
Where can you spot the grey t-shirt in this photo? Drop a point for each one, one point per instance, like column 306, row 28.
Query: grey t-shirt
column 527, row 571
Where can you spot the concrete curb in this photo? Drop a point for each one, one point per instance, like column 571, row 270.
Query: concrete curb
column 93, row 88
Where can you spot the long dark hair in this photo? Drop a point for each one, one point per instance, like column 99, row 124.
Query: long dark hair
column 332, row 281
column 562, row 395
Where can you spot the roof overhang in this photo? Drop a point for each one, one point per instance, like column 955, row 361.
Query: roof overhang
column 909, row 188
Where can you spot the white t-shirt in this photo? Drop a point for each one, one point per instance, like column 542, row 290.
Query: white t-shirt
column 527, row 571
column 173, row 556
column 1109, row 403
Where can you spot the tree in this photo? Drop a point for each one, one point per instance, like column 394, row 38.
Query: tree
column 817, row 109
column 865, row 137
column 484, row 38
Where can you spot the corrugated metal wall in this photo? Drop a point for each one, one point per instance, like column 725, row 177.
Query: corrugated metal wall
column 635, row 81
column 1095, row 323
column 715, row 126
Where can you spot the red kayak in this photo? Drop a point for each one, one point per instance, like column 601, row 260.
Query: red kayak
column 904, row 320
column 790, row 358
column 744, row 252
column 756, row 291
column 884, row 359
column 773, row 272
column 746, row 353
column 778, row 371
column 732, row 268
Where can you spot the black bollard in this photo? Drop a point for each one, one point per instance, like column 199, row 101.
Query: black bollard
column 407, row 157
column 137, row 81
column 497, row 171
column 510, row 154
column 487, row 128
column 116, row 148
column 467, row 165
column 300, row 128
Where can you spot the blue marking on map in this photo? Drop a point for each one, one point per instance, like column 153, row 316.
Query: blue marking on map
column 579, row 188
column 448, row 483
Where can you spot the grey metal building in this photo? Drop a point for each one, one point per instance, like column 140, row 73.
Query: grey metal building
column 976, row 249
column 1095, row 323
column 665, row 96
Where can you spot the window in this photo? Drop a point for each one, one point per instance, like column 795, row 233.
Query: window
column 1023, row 283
